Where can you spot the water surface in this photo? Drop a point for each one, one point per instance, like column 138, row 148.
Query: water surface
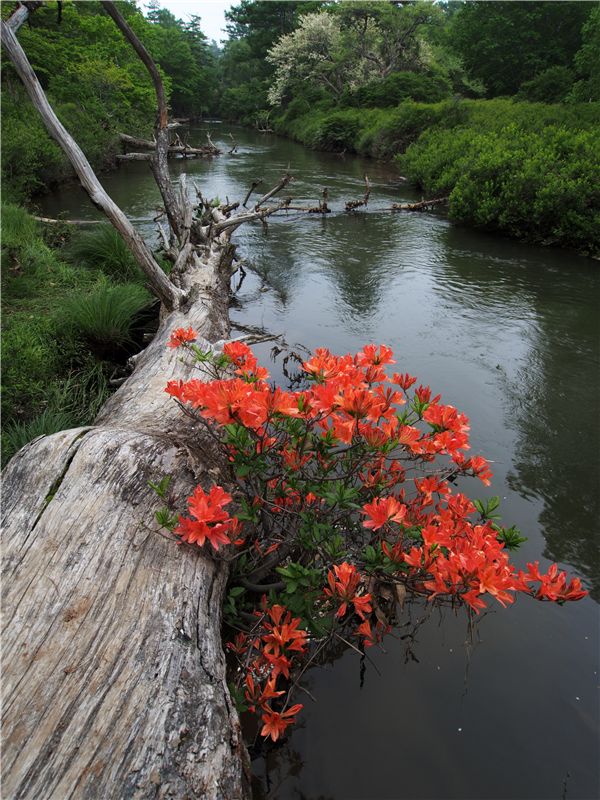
column 509, row 333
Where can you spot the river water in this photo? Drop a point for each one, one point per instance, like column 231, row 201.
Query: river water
column 509, row 333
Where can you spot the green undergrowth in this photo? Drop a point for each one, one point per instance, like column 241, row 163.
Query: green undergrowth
column 66, row 327
column 529, row 170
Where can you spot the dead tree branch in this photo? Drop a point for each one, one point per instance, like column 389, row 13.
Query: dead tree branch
column 277, row 188
column 251, row 189
column 351, row 205
column 424, row 205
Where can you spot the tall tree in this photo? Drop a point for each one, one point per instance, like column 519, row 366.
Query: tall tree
column 505, row 44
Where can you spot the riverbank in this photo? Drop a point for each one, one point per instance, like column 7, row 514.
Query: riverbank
column 74, row 309
column 527, row 170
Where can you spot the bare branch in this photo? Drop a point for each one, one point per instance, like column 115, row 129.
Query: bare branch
column 234, row 222
column 251, row 189
column 160, row 167
column 281, row 185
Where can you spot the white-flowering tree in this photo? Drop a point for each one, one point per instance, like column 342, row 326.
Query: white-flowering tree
column 349, row 46
column 312, row 52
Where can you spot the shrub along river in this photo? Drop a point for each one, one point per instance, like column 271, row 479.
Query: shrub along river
column 509, row 334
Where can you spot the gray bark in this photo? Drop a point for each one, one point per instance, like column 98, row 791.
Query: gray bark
column 114, row 676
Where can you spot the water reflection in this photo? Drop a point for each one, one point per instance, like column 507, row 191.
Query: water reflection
column 509, row 333
column 551, row 398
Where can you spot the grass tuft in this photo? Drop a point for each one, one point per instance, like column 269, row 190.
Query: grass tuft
column 108, row 316
column 101, row 247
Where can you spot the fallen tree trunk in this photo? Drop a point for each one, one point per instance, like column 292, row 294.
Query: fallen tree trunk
column 423, row 205
column 173, row 149
column 114, row 675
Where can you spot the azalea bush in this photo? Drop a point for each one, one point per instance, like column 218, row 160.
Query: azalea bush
column 340, row 502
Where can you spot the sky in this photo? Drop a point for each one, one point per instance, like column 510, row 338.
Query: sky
column 211, row 13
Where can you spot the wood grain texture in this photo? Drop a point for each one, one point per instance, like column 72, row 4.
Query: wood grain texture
column 113, row 670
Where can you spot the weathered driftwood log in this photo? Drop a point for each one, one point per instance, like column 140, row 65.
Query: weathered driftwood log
column 113, row 671
column 173, row 149
column 351, row 205
column 423, row 205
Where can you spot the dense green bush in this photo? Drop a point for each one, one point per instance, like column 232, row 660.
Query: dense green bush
column 337, row 131
column 550, row 86
column 541, row 185
column 397, row 87
column 399, row 127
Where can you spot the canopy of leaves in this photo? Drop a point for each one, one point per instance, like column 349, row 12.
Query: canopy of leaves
column 97, row 85
column 505, row 44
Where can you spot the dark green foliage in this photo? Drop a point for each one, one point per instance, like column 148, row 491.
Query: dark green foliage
column 506, row 44
column 587, row 61
column 246, row 74
column 95, row 83
column 98, row 87
column 183, row 53
column 550, row 86
column 397, row 87
column 101, row 247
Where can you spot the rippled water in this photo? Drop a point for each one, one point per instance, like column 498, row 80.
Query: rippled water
column 509, row 334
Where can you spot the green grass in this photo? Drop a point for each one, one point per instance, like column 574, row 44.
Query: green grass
column 101, row 247
column 107, row 316
column 65, row 328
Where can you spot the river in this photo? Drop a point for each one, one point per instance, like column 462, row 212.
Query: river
column 509, row 334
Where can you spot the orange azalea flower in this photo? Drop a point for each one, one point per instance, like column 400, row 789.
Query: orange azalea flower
column 383, row 510
column 283, row 633
column 197, row 532
column 212, row 523
column 404, row 381
column 275, row 723
column 182, row 336
column 369, row 355
column 480, row 468
column 176, row 389
column 238, row 352
column 365, row 631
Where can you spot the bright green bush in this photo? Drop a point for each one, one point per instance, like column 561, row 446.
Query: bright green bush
column 399, row 127
column 543, row 186
column 337, row 130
